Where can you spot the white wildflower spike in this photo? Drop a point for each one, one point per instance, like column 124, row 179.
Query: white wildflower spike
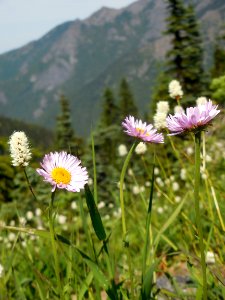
column 178, row 109
column 160, row 120
column 175, row 89
column 19, row 149
column 162, row 107
column 141, row 148
column 122, row 149
column 201, row 101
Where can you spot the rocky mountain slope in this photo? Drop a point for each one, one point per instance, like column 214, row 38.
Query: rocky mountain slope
column 80, row 58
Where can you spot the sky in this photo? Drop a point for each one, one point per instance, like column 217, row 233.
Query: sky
column 22, row 21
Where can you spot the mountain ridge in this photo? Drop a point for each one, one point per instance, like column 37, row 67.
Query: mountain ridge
column 81, row 57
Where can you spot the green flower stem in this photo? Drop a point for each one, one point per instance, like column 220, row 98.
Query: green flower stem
column 197, row 210
column 29, row 185
column 148, row 221
column 122, row 175
column 52, row 235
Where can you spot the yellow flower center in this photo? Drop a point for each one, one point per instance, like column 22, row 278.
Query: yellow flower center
column 141, row 131
column 61, row 175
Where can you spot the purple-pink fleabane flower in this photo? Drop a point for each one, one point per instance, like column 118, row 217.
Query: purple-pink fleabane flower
column 195, row 119
column 63, row 171
column 141, row 130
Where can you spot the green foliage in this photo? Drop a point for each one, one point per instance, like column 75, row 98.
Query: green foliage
column 110, row 110
column 126, row 101
column 185, row 58
column 218, row 89
column 65, row 136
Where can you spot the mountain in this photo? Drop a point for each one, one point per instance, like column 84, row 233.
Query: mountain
column 80, row 58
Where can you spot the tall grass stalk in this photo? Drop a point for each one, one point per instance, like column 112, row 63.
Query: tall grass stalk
column 53, row 243
column 197, row 210
column 148, row 222
column 122, row 176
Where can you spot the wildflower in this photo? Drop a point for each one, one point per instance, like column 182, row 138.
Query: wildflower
column 90, row 181
column 177, row 199
column 159, row 181
column 111, row 205
column 156, row 171
column 210, row 257
column 12, row 223
column 11, row 236
column 136, row 190
column 29, row 215
column 140, row 130
column 122, row 149
column 22, row 221
column 178, row 109
column 183, row 174
column 201, row 101
column 1, row 270
column 175, row 89
column 195, row 119
column 74, row 205
column 190, row 150
column 63, row 171
column 160, row 210
column 130, row 172
column 162, row 107
column 61, row 219
column 19, row 149
column 160, row 120
column 175, row 186
column 101, row 204
column 38, row 212
column 141, row 148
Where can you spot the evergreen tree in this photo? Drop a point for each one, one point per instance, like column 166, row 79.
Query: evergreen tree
column 127, row 105
column 65, row 136
column 185, row 58
column 110, row 110
column 218, row 68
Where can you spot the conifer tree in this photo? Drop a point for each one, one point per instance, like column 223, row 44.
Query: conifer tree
column 218, row 68
column 110, row 110
column 127, row 105
column 65, row 136
column 185, row 58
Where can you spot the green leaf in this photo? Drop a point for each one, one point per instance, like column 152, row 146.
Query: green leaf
column 148, row 282
column 169, row 222
column 98, row 274
column 95, row 216
column 85, row 285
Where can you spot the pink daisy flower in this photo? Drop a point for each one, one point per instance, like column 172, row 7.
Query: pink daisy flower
column 195, row 119
column 63, row 171
column 142, row 131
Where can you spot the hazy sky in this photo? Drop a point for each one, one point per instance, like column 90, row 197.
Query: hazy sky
column 22, row 21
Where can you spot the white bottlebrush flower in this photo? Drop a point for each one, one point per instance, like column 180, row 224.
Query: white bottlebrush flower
column 201, row 101
column 190, row 150
column 208, row 158
column 111, row 205
column 90, row 181
column 11, row 237
column 12, row 223
column 162, row 107
column 210, row 257
column 22, row 221
column 156, row 171
column 74, row 205
column 122, row 149
column 141, row 148
column 178, row 109
column 159, row 181
column 177, row 199
column 142, row 189
column 160, row 120
column 101, row 205
column 61, row 219
column 183, row 174
column 19, row 149
column 147, row 183
column 38, row 212
column 175, row 186
column 130, row 172
column 135, row 190
column 160, row 210
column 175, row 89
column 29, row 215
column 1, row 271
